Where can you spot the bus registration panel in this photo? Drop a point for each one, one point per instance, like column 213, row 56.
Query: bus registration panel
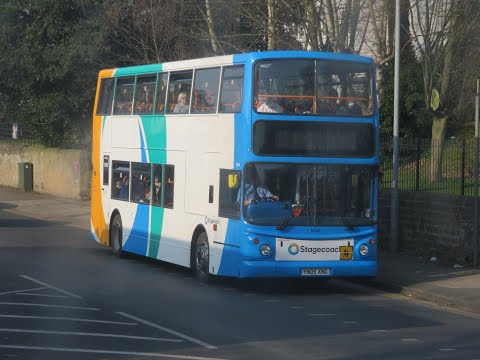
column 313, row 250
column 315, row 271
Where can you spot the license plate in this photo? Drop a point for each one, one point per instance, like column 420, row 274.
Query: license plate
column 315, row 272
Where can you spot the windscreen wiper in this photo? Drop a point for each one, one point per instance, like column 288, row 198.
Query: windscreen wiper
column 296, row 211
column 347, row 223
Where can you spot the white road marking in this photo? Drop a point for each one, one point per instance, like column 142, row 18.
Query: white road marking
column 44, row 295
column 410, row 340
column 88, row 334
column 20, row 291
column 93, row 351
column 379, row 331
column 51, row 286
column 46, row 305
column 272, row 300
column 66, row 319
column 322, row 314
column 183, row 336
column 298, row 307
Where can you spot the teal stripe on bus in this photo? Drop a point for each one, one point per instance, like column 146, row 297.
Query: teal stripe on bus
column 156, row 140
column 138, row 70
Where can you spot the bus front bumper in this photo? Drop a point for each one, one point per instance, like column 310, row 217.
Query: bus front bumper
column 364, row 268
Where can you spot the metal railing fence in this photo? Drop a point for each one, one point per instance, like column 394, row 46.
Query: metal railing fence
column 17, row 133
column 417, row 172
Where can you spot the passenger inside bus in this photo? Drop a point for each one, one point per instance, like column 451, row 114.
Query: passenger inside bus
column 182, row 105
column 253, row 190
column 116, row 189
column 269, row 106
column 328, row 103
column 146, row 196
column 124, row 189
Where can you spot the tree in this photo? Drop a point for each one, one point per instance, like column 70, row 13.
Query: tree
column 50, row 84
column 153, row 31
column 437, row 29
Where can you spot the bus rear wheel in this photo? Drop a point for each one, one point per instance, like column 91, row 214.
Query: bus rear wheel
column 201, row 258
column 116, row 236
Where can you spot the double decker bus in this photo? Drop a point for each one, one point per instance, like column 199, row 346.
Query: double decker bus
column 252, row 165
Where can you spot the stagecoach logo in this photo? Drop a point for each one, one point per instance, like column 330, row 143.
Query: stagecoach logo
column 293, row 249
column 211, row 221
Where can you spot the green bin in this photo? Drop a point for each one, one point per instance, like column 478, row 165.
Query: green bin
column 25, row 176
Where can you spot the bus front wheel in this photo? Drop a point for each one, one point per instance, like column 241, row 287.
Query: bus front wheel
column 116, row 235
column 201, row 261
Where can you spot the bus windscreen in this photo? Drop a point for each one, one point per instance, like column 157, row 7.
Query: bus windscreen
column 314, row 87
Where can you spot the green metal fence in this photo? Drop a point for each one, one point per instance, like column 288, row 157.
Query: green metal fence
column 17, row 133
column 416, row 170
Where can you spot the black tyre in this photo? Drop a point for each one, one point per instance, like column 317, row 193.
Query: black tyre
column 201, row 258
column 116, row 236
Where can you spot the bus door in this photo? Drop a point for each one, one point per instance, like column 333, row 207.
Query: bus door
column 211, row 176
column 106, row 185
column 212, row 223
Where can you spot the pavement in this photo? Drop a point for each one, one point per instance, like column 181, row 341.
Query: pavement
column 454, row 286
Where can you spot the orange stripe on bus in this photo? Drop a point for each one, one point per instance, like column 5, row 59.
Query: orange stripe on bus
column 97, row 213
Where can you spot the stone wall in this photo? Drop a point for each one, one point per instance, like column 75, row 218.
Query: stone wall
column 430, row 224
column 60, row 172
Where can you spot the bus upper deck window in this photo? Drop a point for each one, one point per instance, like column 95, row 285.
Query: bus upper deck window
column 161, row 93
column 231, row 91
column 105, row 100
column 179, row 90
column 124, row 96
column 144, row 94
column 285, row 86
column 205, row 91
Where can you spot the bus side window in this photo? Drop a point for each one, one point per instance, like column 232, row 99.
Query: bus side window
column 120, row 180
column 231, row 91
column 161, row 93
column 168, row 187
column 105, row 99
column 144, row 94
column 157, row 185
column 205, row 91
column 140, row 184
column 180, row 85
column 124, row 96
column 229, row 206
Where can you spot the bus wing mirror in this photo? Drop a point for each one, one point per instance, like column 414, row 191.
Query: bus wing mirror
column 233, row 181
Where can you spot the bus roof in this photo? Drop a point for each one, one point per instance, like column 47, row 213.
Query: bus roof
column 232, row 60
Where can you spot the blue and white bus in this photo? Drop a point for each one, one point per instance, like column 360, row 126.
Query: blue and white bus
column 253, row 165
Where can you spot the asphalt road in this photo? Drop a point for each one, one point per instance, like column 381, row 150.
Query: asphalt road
column 62, row 296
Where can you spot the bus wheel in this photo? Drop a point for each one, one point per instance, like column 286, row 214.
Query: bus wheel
column 201, row 258
column 116, row 235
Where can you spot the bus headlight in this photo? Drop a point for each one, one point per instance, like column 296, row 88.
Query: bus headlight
column 363, row 249
column 265, row 250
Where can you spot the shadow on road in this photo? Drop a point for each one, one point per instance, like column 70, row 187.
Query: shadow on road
column 26, row 223
column 6, row 206
column 270, row 286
